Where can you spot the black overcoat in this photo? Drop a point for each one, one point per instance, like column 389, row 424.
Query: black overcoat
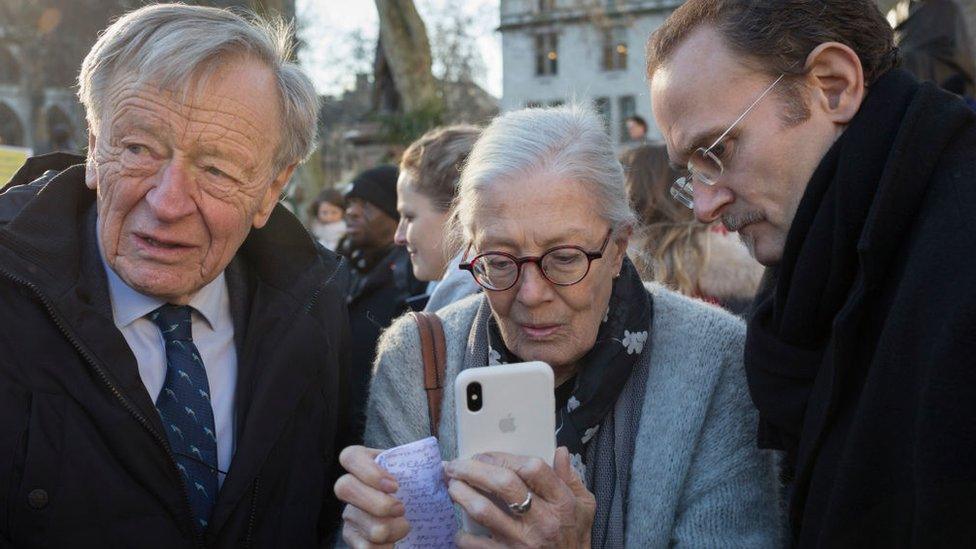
column 84, row 461
column 875, row 398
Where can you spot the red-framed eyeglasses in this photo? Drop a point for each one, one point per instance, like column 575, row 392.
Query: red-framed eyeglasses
column 562, row 266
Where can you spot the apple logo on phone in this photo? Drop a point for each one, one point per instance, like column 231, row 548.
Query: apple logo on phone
column 507, row 424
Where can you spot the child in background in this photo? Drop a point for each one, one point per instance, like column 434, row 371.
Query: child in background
column 326, row 214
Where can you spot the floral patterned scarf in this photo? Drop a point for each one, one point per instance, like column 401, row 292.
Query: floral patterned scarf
column 604, row 370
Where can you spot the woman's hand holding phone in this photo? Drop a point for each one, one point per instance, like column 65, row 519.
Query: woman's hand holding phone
column 373, row 516
column 561, row 510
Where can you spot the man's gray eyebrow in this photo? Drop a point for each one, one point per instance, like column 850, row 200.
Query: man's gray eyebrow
column 148, row 125
column 229, row 156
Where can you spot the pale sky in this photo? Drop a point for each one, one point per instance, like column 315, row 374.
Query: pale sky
column 327, row 26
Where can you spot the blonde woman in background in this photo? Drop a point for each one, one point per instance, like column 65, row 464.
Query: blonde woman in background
column 678, row 251
column 428, row 181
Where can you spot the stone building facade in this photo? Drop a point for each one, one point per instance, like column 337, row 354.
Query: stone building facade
column 557, row 51
column 560, row 51
column 42, row 118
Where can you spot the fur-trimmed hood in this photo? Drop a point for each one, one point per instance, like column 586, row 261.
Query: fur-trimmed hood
column 729, row 271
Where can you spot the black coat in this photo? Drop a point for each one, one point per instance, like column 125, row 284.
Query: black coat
column 84, row 461
column 861, row 356
column 378, row 296
column 935, row 45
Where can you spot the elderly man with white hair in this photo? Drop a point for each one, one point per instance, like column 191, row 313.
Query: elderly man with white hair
column 173, row 368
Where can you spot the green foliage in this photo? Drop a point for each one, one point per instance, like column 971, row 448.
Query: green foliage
column 404, row 128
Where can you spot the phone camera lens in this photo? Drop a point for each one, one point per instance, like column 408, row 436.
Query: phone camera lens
column 474, row 397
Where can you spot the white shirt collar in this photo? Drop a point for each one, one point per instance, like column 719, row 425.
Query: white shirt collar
column 128, row 305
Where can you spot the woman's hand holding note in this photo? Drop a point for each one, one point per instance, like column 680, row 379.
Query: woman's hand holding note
column 429, row 510
column 396, row 497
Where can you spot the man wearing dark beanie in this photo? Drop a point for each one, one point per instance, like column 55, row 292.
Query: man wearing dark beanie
column 382, row 278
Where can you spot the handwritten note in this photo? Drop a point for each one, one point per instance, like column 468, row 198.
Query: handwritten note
column 430, row 512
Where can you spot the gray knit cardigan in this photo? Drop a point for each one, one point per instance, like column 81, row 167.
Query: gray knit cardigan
column 697, row 479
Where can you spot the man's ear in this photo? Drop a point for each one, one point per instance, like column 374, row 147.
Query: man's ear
column 271, row 196
column 91, row 175
column 836, row 78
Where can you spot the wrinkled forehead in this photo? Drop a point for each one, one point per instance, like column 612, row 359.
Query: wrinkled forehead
column 229, row 85
column 235, row 105
column 702, row 87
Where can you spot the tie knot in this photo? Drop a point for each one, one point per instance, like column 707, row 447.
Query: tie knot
column 174, row 322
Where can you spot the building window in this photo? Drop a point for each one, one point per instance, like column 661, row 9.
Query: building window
column 627, row 108
column 546, row 5
column 546, row 54
column 602, row 105
column 614, row 49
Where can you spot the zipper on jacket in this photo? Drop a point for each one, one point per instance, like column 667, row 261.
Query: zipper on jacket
column 313, row 299
column 254, row 509
column 115, row 391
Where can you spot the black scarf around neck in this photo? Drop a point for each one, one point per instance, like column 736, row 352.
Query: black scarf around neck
column 789, row 332
column 605, row 369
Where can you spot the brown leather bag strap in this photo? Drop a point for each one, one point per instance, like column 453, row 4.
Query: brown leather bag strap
column 434, row 352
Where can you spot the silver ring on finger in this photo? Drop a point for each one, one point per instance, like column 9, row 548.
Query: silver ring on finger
column 522, row 508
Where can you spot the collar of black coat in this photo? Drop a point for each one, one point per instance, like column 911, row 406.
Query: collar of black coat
column 392, row 269
column 857, row 210
column 48, row 229
column 862, row 200
column 364, row 260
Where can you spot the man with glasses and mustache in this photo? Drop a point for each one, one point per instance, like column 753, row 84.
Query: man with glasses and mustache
column 856, row 185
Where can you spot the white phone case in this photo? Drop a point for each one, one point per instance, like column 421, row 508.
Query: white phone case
column 517, row 415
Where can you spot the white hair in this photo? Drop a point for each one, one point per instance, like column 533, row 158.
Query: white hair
column 568, row 142
column 174, row 45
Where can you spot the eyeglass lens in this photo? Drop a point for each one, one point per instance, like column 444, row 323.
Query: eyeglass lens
column 704, row 167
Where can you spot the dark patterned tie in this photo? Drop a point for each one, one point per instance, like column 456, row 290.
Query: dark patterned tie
column 184, row 405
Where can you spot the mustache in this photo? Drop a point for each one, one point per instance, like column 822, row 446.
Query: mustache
column 734, row 222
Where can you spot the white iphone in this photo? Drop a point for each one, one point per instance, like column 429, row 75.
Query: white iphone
column 506, row 408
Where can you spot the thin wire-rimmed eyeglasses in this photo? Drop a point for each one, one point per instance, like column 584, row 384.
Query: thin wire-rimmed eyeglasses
column 562, row 266
column 704, row 165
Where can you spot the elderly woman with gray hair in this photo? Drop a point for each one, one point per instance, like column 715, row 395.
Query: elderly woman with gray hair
column 656, row 427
